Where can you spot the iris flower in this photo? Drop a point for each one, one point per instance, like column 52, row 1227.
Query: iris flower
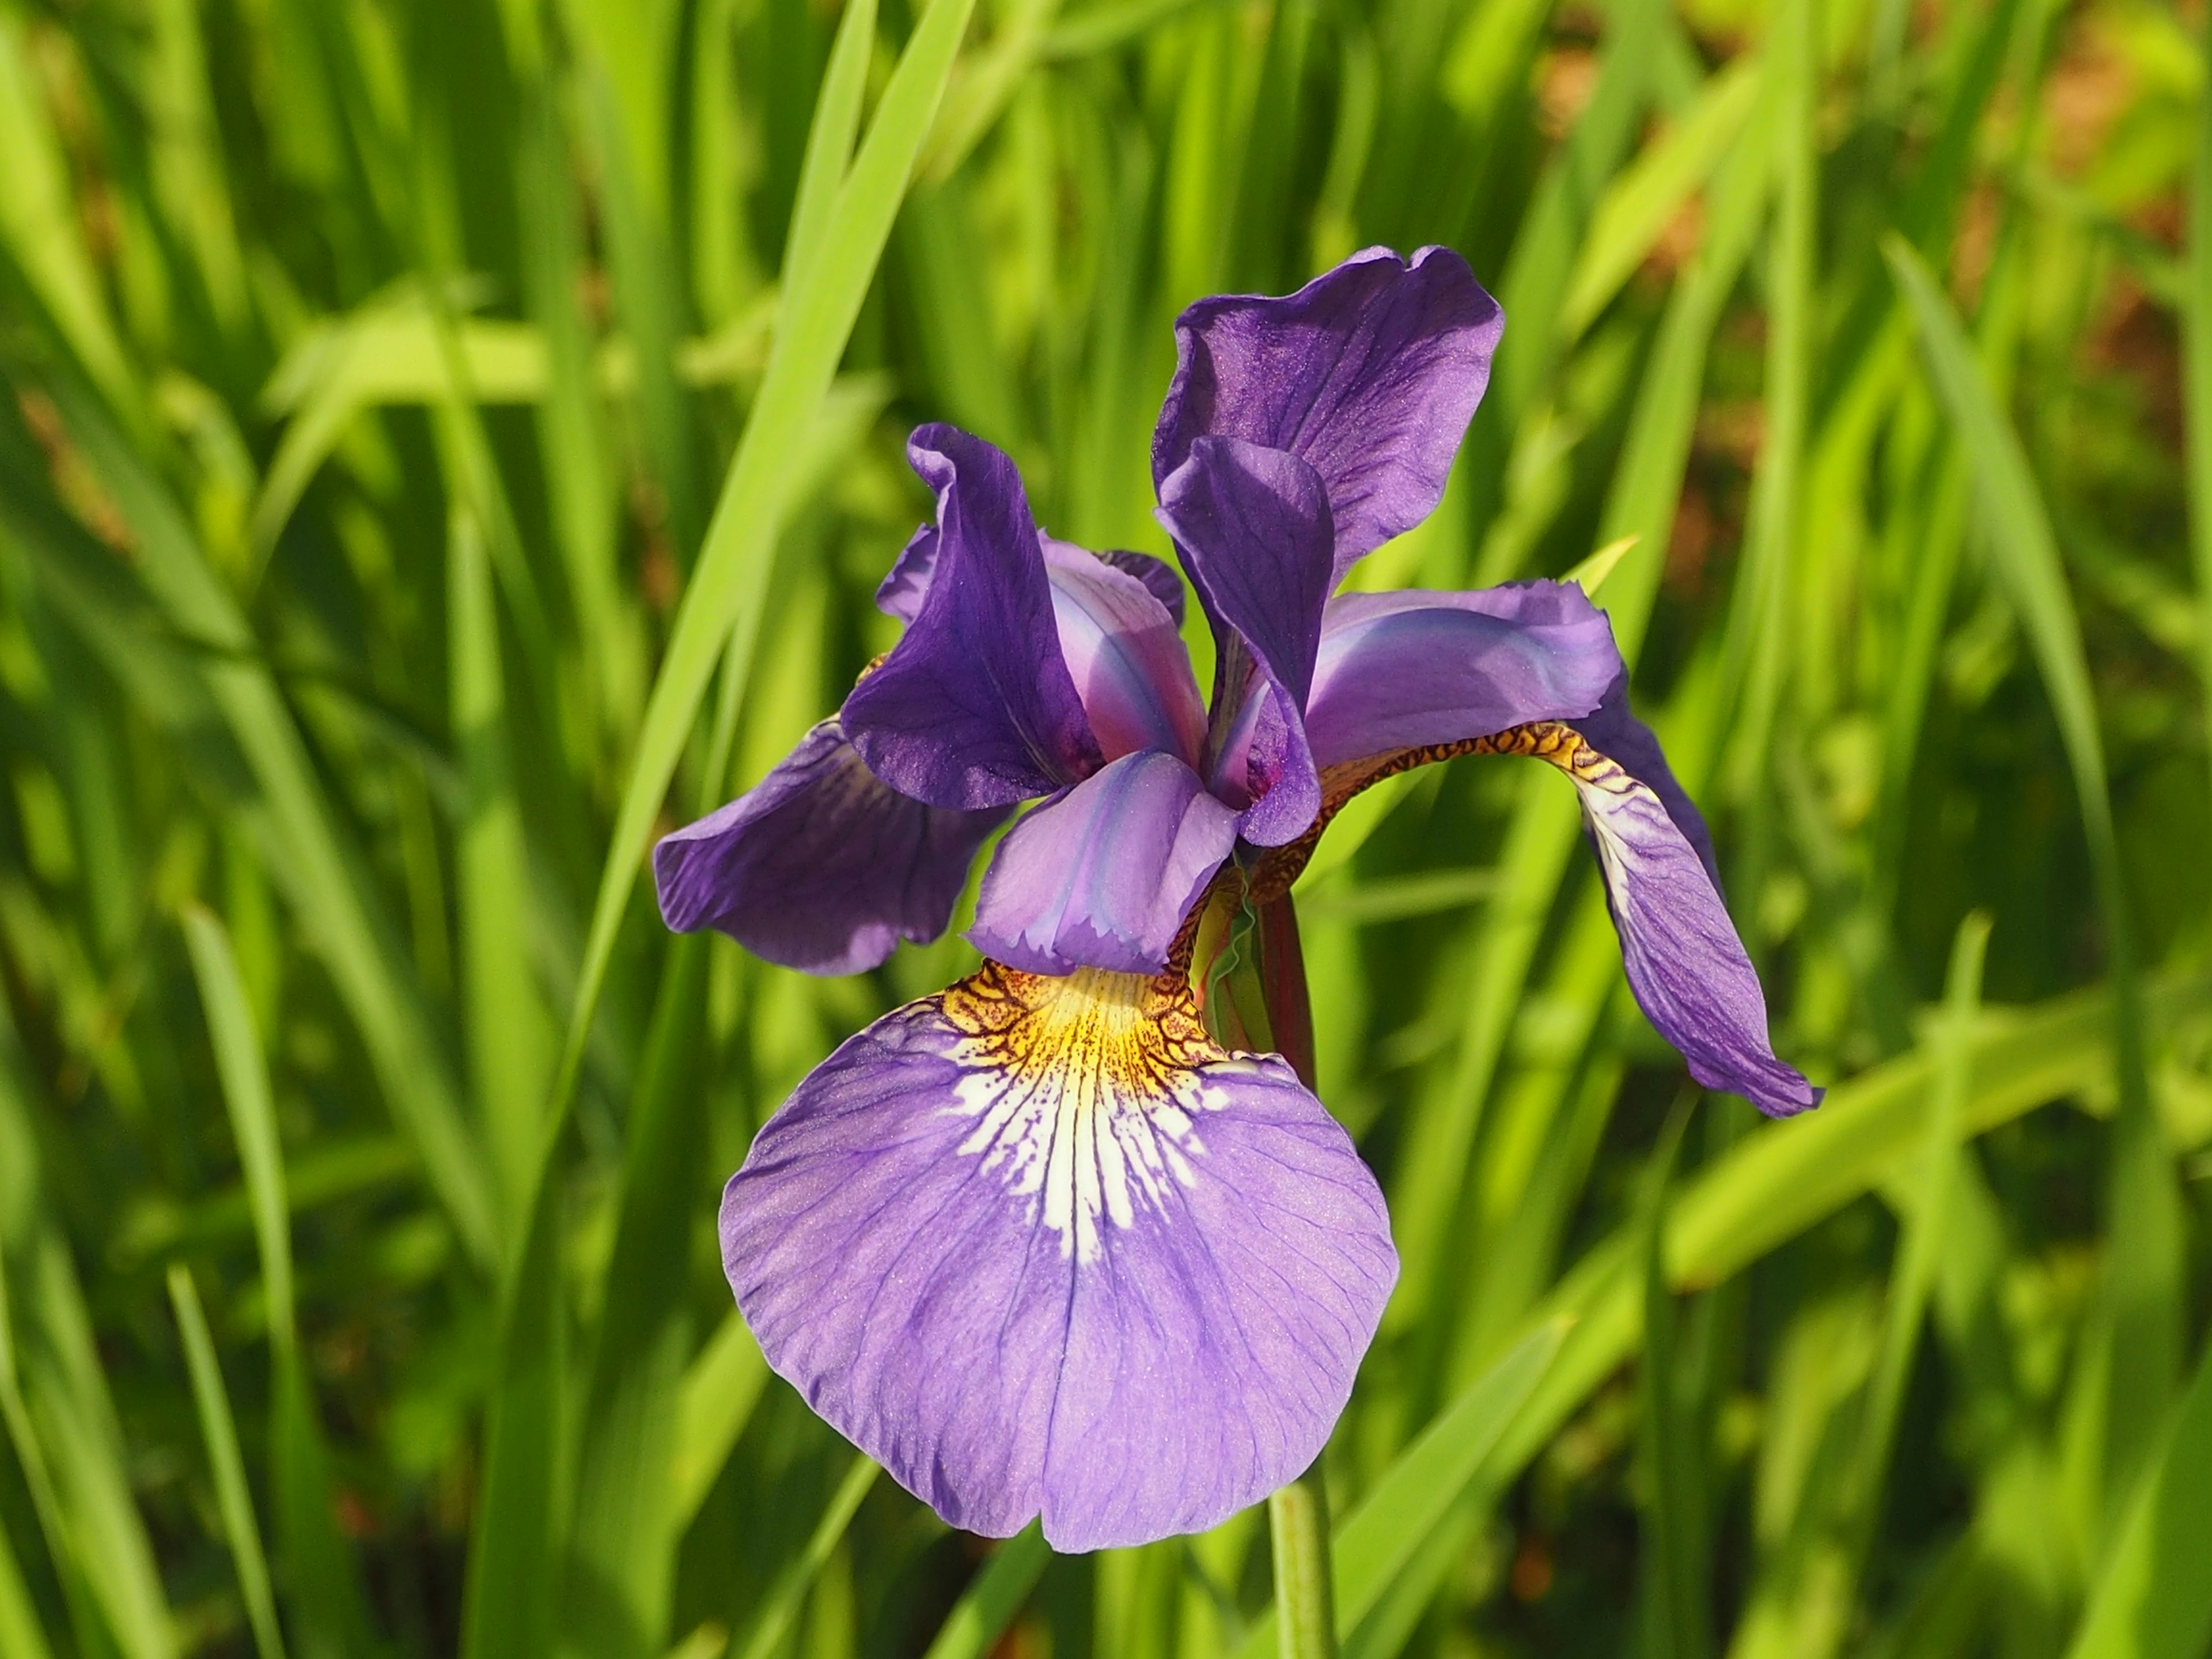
column 1037, row 1244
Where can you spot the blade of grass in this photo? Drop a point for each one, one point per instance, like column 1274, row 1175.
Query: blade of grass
column 219, row 1429
column 720, row 1391
column 1419, row 1491
column 2153, row 1600
column 1673, row 1580
column 987, row 1605
column 324, row 1589
column 2142, row 1306
column 781, row 1605
column 2197, row 370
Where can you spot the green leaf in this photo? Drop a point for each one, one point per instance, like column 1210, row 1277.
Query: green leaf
column 987, row 1605
column 2144, row 1301
column 2153, row 1598
column 219, row 1429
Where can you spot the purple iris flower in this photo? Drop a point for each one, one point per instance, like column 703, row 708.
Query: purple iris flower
column 1037, row 1244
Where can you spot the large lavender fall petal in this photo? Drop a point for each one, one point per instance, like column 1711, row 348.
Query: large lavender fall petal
column 1038, row 1246
column 974, row 707
column 1103, row 877
column 1684, row 962
column 1253, row 527
column 821, row 866
column 1369, row 373
column 1407, row 669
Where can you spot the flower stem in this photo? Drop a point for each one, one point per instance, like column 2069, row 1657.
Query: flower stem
column 1305, row 1600
column 1297, row 1516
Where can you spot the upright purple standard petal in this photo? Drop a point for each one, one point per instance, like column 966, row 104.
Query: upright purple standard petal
column 1408, row 669
column 821, row 866
column 1102, row 876
column 1127, row 660
column 1684, row 962
column 1369, row 373
column 1254, row 528
column 974, row 708
column 1038, row 1246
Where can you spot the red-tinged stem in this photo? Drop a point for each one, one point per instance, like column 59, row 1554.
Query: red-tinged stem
column 1283, row 984
column 1305, row 1602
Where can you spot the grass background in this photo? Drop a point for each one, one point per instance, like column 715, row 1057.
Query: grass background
column 448, row 441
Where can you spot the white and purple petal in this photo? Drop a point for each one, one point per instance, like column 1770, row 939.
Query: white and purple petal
column 1102, row 875
column 821, row 866
column 1253, row 525
column 1409, row 669
column 1040, row 1248
column 974, row 708
column 1369, row 373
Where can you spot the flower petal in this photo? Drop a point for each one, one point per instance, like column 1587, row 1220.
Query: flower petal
column 900, row 593
column 1127, row 660
column 1371, row 373
column 974, row 708
column 821, row 864
column 1684, row 962
column 1158, row 575
column 1037, row 1245
column 1253, row 527
column 1405, row 669
column 1103, row 877
column 1612, row 730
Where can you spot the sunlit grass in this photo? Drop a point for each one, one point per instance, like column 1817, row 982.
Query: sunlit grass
column 449, row 440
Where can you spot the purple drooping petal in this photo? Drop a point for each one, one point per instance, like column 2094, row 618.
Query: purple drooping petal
column 974, row 708
column 1369, row 373
column 1103, row 877
column 1684, row 962
column 1158, row 575
column 1253, row 527
column 1038, row 1246
column 900, row 595
column 1407, row 669
column 1127, row 660
column 821, row 866
column 1612, row 730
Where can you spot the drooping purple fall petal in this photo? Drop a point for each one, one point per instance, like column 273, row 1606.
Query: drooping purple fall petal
column 1684, row 962
column 1253, row 527
column 1369, row 373
column 1039, row 1247
column 821, row 866
column 1612, row 729
column 974, row 707
column 1128, row 662
column 1102, row 876
column 1407, row 669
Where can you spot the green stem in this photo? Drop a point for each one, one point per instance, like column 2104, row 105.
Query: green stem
column 1305, row 1601
column 1297, row 1516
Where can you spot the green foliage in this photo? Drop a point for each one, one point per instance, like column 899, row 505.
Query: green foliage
column 446, row 442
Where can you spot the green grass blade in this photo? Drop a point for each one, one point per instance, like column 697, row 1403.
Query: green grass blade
column 220, row 1430
column 509, row 1031
column 22, row 1635
column 2196, row 370
column 781, row 1606
column 723, row 603
column 719, row 1392
column 830, row 140
column 1423, row 1484
column 2144, row 1300
column 987, row 1607
column 245, row 1095
column 1674, row 1585
column 624, row 1542
column 2153, row 1600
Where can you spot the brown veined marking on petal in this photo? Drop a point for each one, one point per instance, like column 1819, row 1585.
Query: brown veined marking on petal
column 1085, row 1088
column 1554, row 741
